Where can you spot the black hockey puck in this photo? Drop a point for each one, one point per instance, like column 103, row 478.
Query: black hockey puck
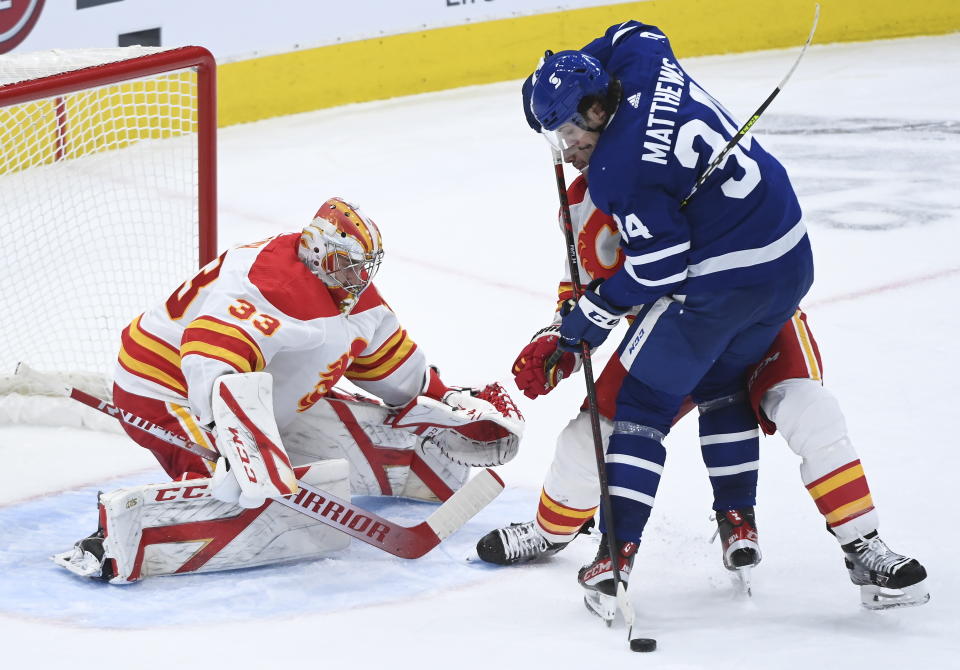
column 643, row 644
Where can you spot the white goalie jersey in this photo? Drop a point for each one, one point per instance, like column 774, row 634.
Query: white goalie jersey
column 267, row 313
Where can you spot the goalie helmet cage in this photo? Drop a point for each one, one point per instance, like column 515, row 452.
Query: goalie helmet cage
column 108, row 185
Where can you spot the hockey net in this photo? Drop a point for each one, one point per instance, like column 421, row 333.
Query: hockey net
column 108, row 185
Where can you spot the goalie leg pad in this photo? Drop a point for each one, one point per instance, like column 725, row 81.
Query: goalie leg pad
column 383, row 460
column 179, row 528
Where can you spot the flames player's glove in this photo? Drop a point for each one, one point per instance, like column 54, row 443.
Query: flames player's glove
column 529, row 370
column 590, row 320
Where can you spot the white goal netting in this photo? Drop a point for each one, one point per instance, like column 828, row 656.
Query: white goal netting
column 99, row 188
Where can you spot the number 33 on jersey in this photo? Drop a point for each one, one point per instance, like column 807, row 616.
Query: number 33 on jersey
column 257, row 307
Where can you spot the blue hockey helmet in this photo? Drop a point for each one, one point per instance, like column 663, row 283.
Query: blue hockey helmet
column 561, row 81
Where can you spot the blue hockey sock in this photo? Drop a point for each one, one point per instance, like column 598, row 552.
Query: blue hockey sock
column 730, row 444
column 635, row 459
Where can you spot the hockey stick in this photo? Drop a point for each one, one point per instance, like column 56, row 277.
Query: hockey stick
column 753, row 119
column 403, row 541
column 626, row 607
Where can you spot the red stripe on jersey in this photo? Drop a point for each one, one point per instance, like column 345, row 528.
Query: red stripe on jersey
column 228, row 342
column 356, row 372
column 384, row 361
column 150, row 358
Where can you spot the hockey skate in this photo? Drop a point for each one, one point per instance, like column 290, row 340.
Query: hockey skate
column 519, row 543
column 886, row 578
column 737, row 529
column 597, row 578
column 86, row 559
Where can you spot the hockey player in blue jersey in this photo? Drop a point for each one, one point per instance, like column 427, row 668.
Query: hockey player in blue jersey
column 718, row 273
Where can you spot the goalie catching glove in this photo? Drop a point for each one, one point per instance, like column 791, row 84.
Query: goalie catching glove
column 475, row 427
column 253, row 465
column 530, row 369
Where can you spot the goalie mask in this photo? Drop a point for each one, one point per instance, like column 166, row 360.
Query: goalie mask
column 342, row 247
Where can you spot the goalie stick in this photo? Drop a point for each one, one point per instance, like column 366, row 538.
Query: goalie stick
column 756, row 115
column 403, row 541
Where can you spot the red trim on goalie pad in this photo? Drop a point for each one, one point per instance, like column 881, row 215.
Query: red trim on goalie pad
column 264, row 443
column 174, row 461
column 794, row 354
column 430, row 478
column 377, row 457
column 217, row 533
column 380, row 458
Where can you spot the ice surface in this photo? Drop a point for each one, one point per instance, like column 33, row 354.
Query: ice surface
column 464, row 195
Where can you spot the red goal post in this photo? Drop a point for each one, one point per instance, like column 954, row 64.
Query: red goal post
column 108, row 184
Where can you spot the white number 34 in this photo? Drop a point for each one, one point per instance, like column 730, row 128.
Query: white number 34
column 632, row 227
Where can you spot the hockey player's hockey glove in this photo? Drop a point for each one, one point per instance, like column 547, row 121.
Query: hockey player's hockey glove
column 529, row 369
column 590, row 320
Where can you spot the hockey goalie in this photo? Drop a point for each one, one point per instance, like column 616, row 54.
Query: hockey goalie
column 242, row 359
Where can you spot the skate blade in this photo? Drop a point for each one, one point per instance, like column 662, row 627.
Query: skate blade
column 879, row 598
column 601, row 605
column 79, row 562
column 743, row 581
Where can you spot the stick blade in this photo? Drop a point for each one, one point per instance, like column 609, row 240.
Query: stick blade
column 626, row 608
column 465, row 503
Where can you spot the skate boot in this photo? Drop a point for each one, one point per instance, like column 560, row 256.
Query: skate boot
column 518, row 543
column 597, row 579
column 737, row 529
column 86, row 559
column 886, row 579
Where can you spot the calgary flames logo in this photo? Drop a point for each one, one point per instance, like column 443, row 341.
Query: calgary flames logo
column 598, row 246
column 330, row 377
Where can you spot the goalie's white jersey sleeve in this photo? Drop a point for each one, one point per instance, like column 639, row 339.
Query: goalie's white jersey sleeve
column 257, row 307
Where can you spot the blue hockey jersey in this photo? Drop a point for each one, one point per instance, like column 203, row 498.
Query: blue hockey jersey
column 744, row 223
